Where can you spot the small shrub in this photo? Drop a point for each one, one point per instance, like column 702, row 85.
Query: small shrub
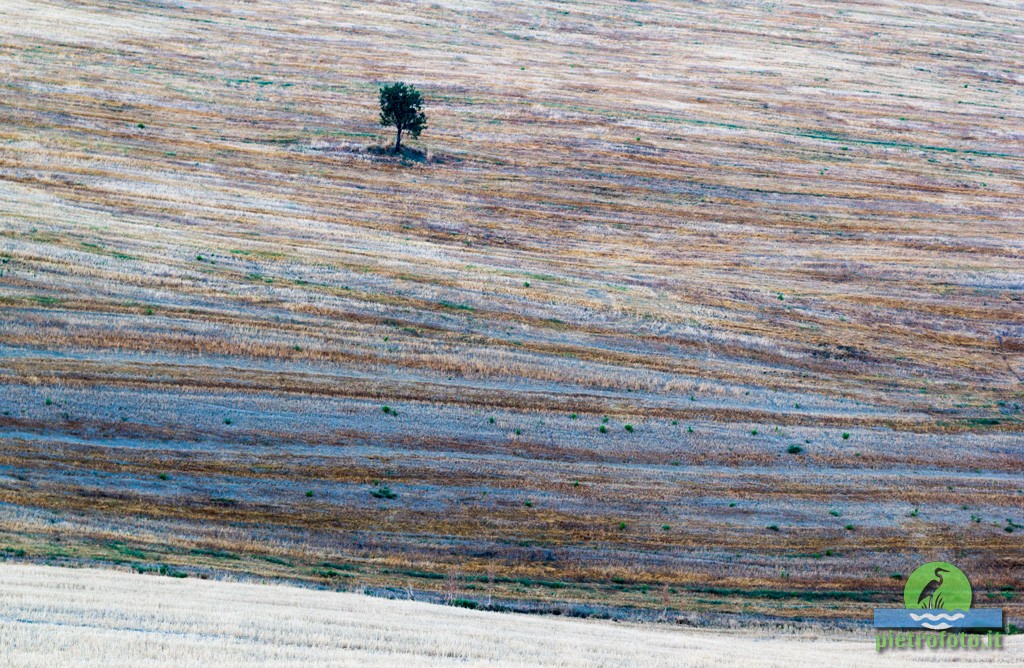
column 603, row 429
column 849, row 527
column 773, row 527
column 164, row 476
column 309, row 493
column 629, row 428
column 846, row 436
column 622, row 526
column 794, row 449
column 383, row 492
column 163, row 570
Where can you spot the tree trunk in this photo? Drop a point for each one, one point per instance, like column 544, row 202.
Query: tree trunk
column 398, row 141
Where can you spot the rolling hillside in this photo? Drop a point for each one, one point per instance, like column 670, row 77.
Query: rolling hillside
column 687, row 309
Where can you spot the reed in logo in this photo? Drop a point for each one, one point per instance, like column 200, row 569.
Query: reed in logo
column 938, row 597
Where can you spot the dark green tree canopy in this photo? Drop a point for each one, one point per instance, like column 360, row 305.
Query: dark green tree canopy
column 401, row 106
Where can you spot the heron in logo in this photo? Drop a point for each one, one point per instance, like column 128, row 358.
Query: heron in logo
column 931, row 596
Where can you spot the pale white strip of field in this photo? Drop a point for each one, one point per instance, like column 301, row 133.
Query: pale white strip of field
column 83, row 617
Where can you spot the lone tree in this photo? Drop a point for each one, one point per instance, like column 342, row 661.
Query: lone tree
column 401, row 106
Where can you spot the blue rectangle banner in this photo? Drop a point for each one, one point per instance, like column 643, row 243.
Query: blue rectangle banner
column 938, row 619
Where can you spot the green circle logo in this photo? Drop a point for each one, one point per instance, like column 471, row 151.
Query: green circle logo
column 938, row 585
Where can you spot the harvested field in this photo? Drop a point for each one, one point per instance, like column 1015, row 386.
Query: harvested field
column 111, row 619
column 683, row 310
